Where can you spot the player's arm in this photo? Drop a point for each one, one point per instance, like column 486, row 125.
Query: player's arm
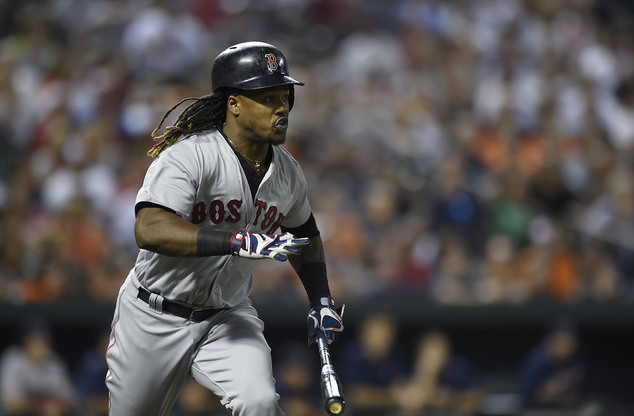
column 162, row 231
column 310, row 266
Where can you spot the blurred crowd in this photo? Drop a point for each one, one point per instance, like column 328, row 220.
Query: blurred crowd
column 381, row 376
column 466, row 152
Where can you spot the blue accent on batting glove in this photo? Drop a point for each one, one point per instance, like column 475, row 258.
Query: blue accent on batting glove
column 323, row 316
column 262, row 246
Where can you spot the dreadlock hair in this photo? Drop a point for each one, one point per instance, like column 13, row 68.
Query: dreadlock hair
column 206, row 112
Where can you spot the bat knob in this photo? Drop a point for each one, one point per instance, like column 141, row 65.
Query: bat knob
column 335, row 406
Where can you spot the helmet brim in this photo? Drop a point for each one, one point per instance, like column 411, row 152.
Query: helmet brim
column 274, row 80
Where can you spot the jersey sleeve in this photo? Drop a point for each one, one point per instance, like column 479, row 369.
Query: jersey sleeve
column 172, row 180
column 308, row 229
column 300, row 211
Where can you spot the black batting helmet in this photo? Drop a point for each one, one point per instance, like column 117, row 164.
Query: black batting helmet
column 251, row 66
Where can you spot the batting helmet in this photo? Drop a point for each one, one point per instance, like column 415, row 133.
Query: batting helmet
column 251, row 66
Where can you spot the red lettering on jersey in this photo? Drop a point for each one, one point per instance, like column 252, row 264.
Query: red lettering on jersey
column 272, row 61
column 269, row 217
column 199, row 213
column 277, row 224
column 233, row 207
column 261, row 205
column 230, row 212
column 217, row 211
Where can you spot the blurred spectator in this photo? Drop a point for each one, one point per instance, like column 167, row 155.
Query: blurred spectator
column 90, row 378
column 456, row 211
column 602, row 281
column 371, row 363
column 441, row 380
column 34, row 380
column 454, row 278
column 296, row 370
column 552, row 375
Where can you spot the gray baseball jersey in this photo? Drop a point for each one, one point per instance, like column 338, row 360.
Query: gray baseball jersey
column 200, row 178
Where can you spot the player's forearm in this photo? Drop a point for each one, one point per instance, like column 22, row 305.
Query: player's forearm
column 310, row 266
column 165, row 233
column 313, row 252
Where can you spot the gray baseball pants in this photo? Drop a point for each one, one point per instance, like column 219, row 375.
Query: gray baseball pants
column 151, row 354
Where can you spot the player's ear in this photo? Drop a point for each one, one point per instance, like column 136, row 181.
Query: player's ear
column 233, row 105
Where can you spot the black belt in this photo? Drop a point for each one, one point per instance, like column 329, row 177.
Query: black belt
column 192, row 314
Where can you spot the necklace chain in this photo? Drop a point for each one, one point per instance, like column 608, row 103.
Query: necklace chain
column 257, row 164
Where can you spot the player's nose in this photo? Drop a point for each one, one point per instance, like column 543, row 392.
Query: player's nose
column 282, row 104
column 282, row 108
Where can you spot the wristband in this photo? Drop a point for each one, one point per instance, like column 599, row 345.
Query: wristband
column 213, row 242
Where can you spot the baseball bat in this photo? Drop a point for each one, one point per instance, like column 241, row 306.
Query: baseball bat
column 331, row 391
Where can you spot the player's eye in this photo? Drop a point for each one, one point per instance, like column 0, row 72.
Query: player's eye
column 274, row 100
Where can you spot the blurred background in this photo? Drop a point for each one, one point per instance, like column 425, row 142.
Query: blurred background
column 470, row 166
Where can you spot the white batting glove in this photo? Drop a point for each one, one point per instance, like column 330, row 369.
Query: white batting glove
column 265, row 246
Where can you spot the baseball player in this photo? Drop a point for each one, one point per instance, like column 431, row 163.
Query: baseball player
column 212, row 202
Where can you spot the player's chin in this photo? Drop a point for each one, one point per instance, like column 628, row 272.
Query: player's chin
column 277, row 138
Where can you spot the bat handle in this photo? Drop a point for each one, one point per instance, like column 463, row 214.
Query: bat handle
column 322, row 346
column 330, row 385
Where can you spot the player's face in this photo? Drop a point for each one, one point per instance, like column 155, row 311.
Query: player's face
column 264, row 114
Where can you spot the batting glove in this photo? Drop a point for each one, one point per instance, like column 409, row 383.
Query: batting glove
column 265, row 246
column 324, row 317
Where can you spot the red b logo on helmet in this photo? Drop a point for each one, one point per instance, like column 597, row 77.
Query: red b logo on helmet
column 272, row 62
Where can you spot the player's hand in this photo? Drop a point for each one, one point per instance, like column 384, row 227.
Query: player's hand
column 265, row 246
column 323, row 316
